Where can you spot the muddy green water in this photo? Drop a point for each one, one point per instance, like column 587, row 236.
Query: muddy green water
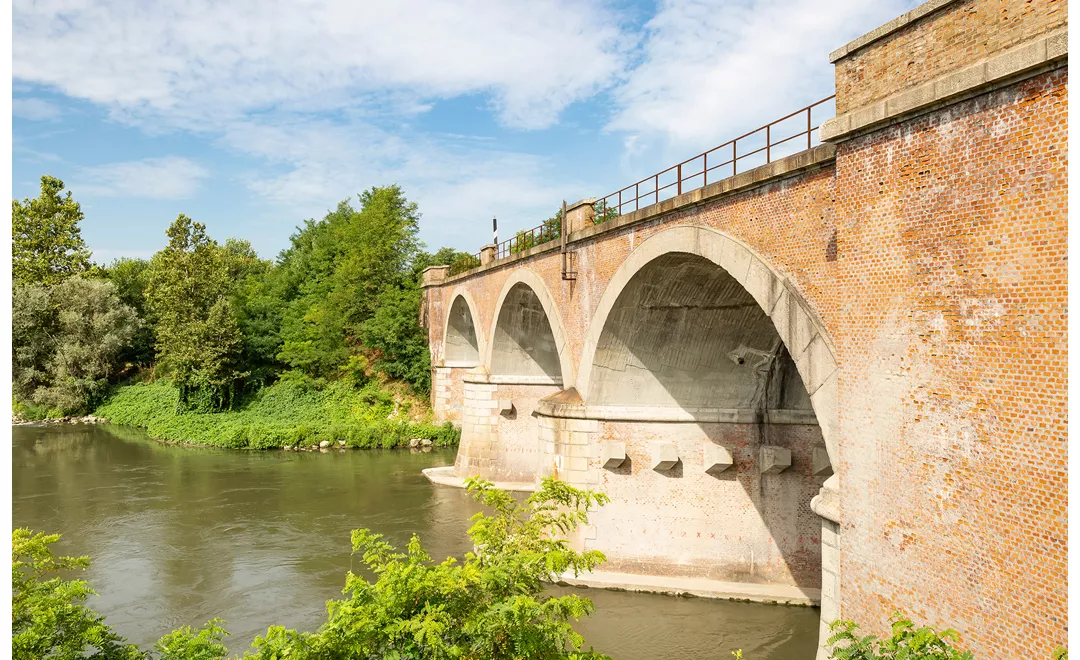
column 180, row 535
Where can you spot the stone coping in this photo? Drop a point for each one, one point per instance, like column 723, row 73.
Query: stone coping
column 667, row 414
column 1028, row 59
column 444, row 476
column 779, row 594
column 898, row 23
column 504, row 379
column 458, row 364
column 814, row 158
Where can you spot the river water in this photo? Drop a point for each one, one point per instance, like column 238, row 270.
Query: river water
column 180, row 535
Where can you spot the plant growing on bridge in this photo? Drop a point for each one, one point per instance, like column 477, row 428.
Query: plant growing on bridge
column 550, row 230
column 602, row 212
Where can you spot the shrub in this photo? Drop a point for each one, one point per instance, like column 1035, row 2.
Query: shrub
column 907, row 643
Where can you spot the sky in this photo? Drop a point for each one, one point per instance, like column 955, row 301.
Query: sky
column 253, row 116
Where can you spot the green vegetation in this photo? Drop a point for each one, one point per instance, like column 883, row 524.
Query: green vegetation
column 293, row 413
column 46, row 244
column 490, row 604
column 906, row 643
column 550, row 230
column 329, row 327
column 66, row 339
column 602, row 212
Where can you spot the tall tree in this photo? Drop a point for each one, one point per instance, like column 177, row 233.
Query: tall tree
column 198, row 341
column 47, row 246
column 66, row 342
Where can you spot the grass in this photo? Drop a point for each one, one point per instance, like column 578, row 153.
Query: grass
column 287, row 413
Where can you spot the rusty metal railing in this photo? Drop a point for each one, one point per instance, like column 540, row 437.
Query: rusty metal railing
column 527, row 238
column 777, row 139
column 691, row 174
column 468, row 262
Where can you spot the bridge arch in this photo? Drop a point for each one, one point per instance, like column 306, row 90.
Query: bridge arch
column 464, row 343
column 803, row 334
column 527, row 336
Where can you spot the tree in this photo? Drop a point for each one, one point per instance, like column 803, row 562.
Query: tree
column 129, row 276
column 198, row 341
column 47, row 246
column 395, row 339
column 66, row 342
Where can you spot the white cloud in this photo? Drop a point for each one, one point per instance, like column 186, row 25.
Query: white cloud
column 712, row 69
column 35, row 109
column 193, row 62
column 170, row 177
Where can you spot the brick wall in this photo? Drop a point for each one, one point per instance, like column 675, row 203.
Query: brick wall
column 960, row 33
column 952, row 241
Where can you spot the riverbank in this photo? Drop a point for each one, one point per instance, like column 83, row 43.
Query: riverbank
column 284, row 415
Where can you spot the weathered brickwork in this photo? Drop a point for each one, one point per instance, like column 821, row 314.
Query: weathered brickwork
column 919, row 281
column 958, row 34
column 953, row 359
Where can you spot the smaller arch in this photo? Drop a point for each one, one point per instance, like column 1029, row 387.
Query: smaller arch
column 528, row 296
column 464, row 343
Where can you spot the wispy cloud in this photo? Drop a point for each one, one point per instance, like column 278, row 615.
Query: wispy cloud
column 35, row 109
column 171, row 177
column 711, row 69
column 189, row 63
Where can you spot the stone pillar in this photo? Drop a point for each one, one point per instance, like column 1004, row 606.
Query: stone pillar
column 487, row 254
column 434, row 275
column 440, row 392
column 479, row 426
column 579, row 215
column 830, row 582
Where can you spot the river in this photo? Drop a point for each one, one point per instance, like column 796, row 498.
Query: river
column 180, row 535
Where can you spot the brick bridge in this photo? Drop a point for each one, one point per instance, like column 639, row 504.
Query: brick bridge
column 838, row 375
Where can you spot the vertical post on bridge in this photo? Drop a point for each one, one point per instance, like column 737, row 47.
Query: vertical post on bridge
column 494, row 231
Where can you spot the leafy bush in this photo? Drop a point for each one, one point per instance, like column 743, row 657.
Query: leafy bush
column 288, row 413
column 490, row 605
column 602, row 212
column 907, row 643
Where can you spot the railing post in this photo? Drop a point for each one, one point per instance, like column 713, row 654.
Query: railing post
column 768, row 143
column 637, row 196
column 656, row 187
column 705, row 171
column 678, row 187
column 808, row 126
column 734, row 158
column 620, row 204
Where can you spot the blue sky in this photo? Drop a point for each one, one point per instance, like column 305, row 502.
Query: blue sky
column 252, row 116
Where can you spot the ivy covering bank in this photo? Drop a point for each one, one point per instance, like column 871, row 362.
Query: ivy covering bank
column 287, row 413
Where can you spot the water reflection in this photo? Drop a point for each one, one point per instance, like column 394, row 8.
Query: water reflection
column 180, row 535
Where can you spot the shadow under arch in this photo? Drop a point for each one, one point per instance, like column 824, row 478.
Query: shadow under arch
column 682, row 326
column 527, row 337
column 464, row 342
column 803, row 334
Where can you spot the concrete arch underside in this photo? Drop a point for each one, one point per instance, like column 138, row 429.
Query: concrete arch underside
column 707, row 395
column 462, row 342
column 527, row 360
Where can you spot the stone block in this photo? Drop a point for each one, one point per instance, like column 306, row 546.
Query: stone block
column 774, row 460
column 506, row 406
column 612, row 455
column 822, row 464
column 717, row 458
column 663, row 456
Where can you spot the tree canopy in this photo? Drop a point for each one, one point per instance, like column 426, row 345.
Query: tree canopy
column 46, row 243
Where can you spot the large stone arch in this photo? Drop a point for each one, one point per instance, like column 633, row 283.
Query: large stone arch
column 805, row 336
column 522, row 289
column 455, row 331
